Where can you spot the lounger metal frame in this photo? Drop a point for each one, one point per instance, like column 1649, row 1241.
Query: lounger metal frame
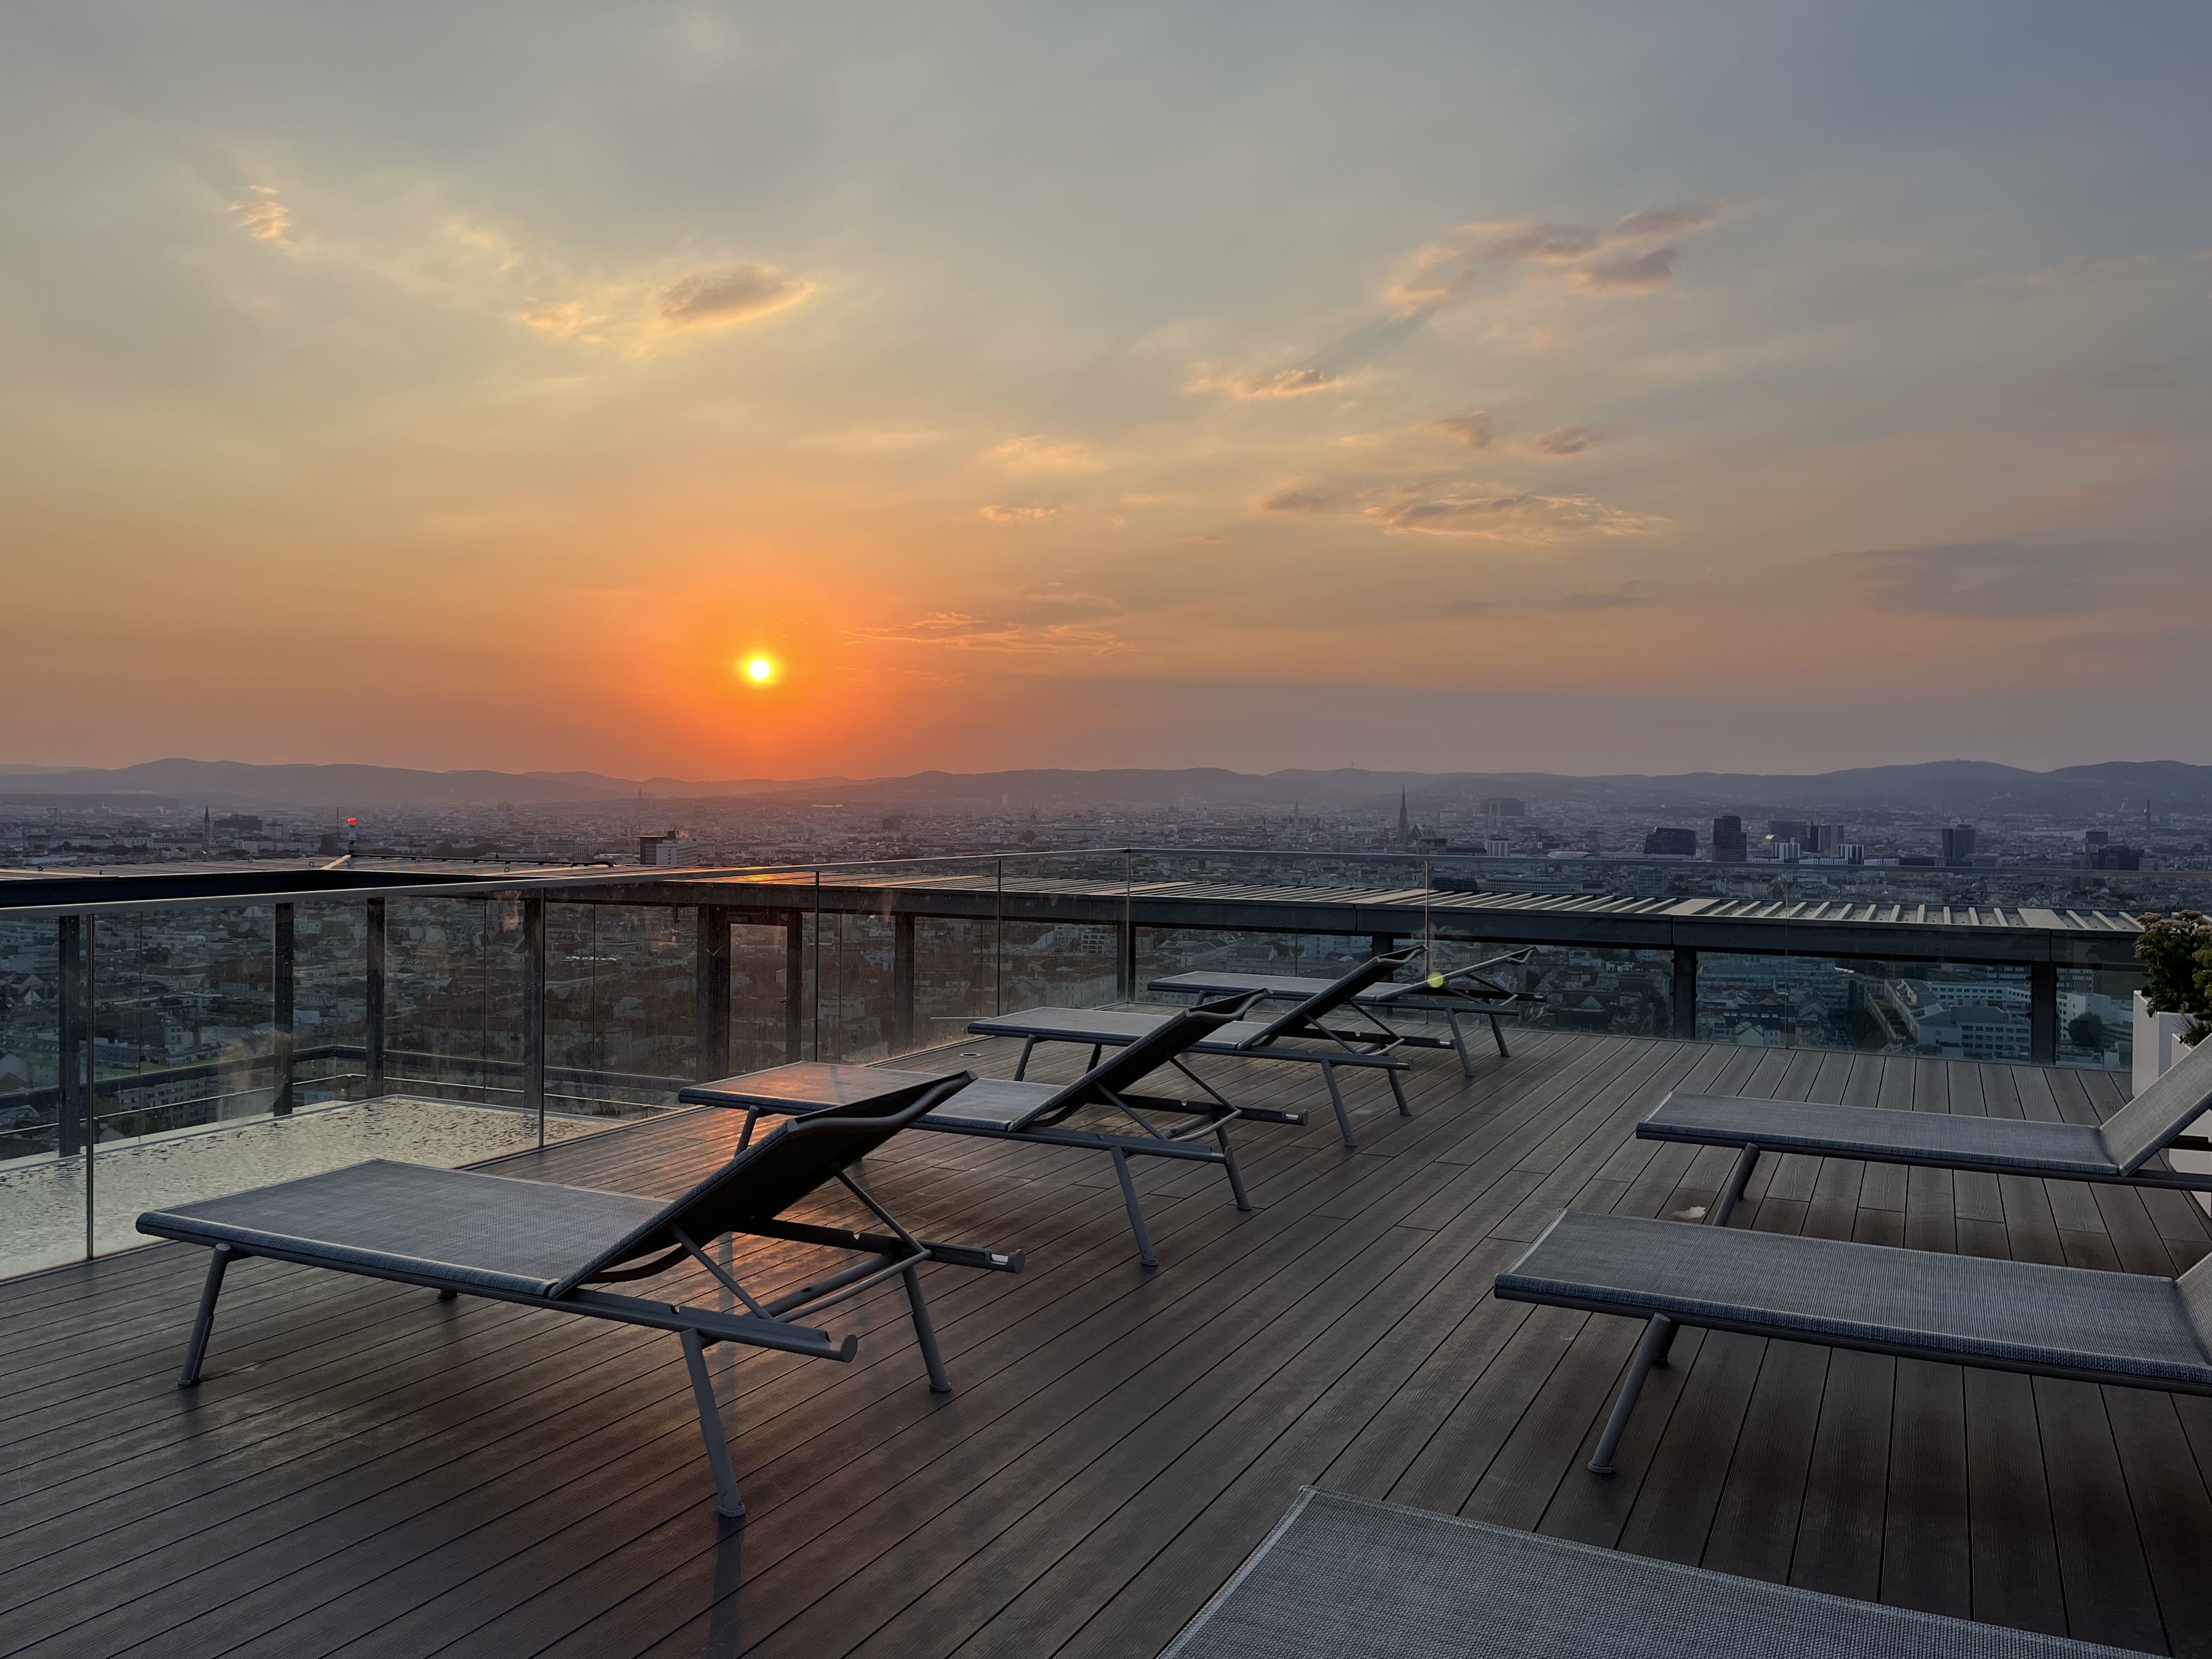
column 773, row 1324
column 1453, row 998
column 1303, row 1021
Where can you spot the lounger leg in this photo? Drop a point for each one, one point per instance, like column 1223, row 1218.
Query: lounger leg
column 1656, row 1335
column 745, row 1135
column 1022, row 1065
column 448, row 1295
column 925, row 1333
column 1228, row 1162
column 1459, row 1042
column 710, row 1426
column 1097, row 1050
column 1398, row 1090
column 197, row 1349
column 1498, row 1033
column 1724, row 1206
column 1136, row 1213
column 1336, row 1100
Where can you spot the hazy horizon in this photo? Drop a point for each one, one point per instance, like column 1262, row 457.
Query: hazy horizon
column 1589, row 390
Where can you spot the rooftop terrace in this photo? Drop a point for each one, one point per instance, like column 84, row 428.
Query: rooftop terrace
column 367, row 1470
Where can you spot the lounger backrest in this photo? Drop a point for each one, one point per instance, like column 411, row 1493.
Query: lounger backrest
column 1322, row 1003
column 2182, row 1093
column 776, row 1172
column 1124, row 1068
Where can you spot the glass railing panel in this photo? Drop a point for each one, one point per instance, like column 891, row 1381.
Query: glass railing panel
column 621, row 1012
column 453, row 971
column 2096, row 1018
column 330, row 1002
column 771, row 992
column 1956, row 1010
column 42, row 1163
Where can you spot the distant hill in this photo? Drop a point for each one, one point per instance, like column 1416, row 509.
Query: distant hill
column 1962, row 788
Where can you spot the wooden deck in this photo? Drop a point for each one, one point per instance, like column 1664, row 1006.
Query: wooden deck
column 367, row 1471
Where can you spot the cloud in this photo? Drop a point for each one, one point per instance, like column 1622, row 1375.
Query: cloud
column 1978, row 579
column 1638, row 274
column 1496, row 514
column 265, row 218
column 1034, row 454
column 999, row 513
column 1475, row 431
column 1293, row 499
column 1562, row 441
column 961, row 630
column 1435, row 275
column 737, row 293
column 1284, row 383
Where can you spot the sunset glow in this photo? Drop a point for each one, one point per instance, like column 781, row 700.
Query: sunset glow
column 1432, row 388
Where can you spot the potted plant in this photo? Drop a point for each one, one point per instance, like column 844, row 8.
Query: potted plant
column 2174, row 1011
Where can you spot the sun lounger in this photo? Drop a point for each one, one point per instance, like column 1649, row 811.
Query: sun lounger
column 1249, row 1039
column 1464, row 993
column 1137, row 1125
column 2134, row 1330
column 465, row 1231
column 1344, row 1578
column 2120, row 1153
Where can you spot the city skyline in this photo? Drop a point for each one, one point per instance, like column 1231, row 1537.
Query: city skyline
column 1587, row 392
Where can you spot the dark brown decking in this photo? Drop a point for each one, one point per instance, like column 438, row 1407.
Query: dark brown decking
column 367, row 1471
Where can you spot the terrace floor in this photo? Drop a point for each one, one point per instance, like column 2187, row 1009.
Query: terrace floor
column 367, row 1471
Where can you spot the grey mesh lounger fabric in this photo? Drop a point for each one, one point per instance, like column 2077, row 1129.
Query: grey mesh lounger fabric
column 544, row 1246
column 1344, row 1578
column 1005, row 1109
column 1251, row 1039
column 1462, row 993
column 2120, row 1152
column 2131, row 1329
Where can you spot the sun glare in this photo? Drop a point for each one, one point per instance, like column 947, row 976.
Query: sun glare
column 759, row 670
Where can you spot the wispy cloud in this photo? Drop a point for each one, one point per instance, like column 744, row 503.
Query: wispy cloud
column 1561, row 441
column 264, row 217
column 998, row 513
column 1459, row 506
column 1032, row 454
column 962, row 631
column 1437, row 274
column 429, row 251
column 1476, row 431
column 1249, row 388
column 870, row 441
column 1979, row 579
column 1496, row 515
column 1637, row 274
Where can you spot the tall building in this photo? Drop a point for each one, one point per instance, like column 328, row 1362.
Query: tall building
column 1958, row 844
column 1405, row 822
column 1505, row 806
column 1730, row 844
column 1824, row 839
column 1794, row 829
column 1666, row 843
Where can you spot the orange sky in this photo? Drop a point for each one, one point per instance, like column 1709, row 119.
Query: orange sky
column 1455, row 391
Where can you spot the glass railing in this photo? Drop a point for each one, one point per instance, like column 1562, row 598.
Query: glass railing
column 155, row 1053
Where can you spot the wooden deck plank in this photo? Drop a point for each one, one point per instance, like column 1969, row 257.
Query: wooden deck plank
column 367, row 1475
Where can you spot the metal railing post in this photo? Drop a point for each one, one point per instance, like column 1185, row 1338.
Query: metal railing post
column 2043, row 1013
column 712, row 1040
column 533, row 1009
column 373, row 999
column 71, row 1044
column 794, row 983
column 282, row 1006
column 901, row 982
column 1125, row 954
column 1686, row 993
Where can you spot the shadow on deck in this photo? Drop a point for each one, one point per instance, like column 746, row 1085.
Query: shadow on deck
column 368, row 1471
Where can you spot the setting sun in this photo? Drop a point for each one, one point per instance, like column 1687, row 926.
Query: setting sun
column 759, row 670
